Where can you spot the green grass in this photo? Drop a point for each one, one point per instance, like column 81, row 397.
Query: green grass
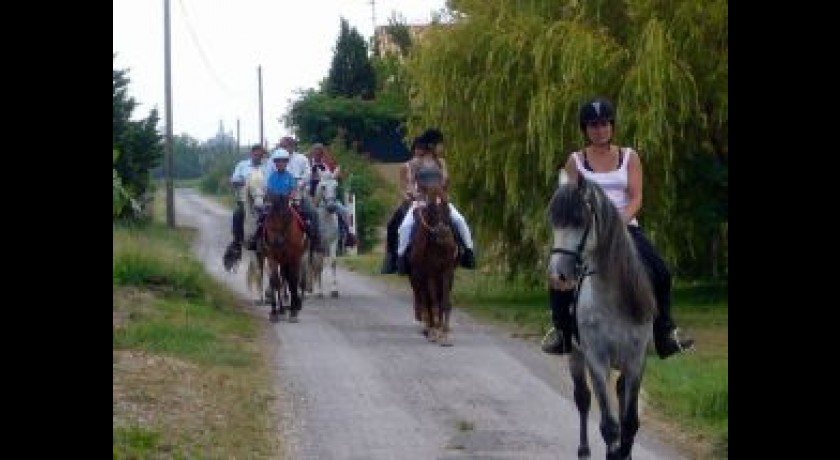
column 134, row 442
column 690, row 390
column 191, row 379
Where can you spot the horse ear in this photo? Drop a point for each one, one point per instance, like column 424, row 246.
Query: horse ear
column 564, row 177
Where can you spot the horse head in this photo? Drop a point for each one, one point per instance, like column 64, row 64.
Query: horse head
column 278, row 220
column 572, row 215
column 255, row 188
column 434, row 215
column 590, row 236
column 326, row 195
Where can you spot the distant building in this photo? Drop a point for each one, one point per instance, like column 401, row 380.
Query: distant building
column 384, row 40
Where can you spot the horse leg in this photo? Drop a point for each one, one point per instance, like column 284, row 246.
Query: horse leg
column 629, row 386
column 445, row 310
column 583, row 397
column 291, row 273
column 333, row 260
column 268, row 293
column 273, row 285
column 600, row 373
column 319, row 274
column 419, row 307
column 431, row 308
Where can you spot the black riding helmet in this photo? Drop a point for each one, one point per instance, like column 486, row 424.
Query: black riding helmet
column 595, row 110
column 431, row 137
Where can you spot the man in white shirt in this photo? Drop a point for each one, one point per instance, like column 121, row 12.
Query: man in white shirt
column 237, row 180
column 298, row 162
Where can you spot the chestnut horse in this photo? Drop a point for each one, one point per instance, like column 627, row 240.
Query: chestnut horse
column 284, row 246
column 432, row 259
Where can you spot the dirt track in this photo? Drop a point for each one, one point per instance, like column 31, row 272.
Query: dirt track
column 359, row 382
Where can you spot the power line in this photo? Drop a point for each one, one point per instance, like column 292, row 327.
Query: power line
column 204, row 58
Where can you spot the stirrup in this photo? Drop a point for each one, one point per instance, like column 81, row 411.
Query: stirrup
column 679, row 341
column 554, row 343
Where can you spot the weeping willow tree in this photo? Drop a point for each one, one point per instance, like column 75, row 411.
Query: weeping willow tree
column 504, row 82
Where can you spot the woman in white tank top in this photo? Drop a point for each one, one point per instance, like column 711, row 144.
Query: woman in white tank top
column 619, row 172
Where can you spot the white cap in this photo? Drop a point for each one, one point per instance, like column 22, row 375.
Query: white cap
column 280, row 154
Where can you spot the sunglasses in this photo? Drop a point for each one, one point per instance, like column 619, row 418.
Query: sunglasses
column 597, row 123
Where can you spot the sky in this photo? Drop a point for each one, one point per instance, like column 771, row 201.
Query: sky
column 217, row 45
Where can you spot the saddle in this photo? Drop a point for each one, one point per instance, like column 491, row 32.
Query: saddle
column 260, row 233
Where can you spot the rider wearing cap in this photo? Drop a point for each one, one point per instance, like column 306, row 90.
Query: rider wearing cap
column 618, row 171
column 323, row 165
column 282, row 182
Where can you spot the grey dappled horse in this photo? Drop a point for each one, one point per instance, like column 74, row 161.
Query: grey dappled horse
column 324, row 202
column 254, row 197
column 614, row 312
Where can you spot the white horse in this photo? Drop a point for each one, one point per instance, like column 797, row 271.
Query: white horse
column 254, row 199
column 325, row 208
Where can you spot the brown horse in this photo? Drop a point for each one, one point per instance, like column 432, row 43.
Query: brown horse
column 283, row 241
column 432, row 260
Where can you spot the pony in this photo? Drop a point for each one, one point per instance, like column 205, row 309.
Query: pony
column 253, row 198
column 283, row 240
column 614, row 306
column 432, row 259
column 324, row 203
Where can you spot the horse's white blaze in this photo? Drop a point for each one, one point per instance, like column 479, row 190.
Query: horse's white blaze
column 254, row 193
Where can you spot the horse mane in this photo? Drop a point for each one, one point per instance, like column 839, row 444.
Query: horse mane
column 615, row 254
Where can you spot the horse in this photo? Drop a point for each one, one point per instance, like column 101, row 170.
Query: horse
column 253, row 198
column 283, row 240
column 614, row 305
column 324, row 203
column 432, row 260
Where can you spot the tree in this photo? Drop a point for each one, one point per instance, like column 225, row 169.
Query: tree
column 138, row 142
column 505, row 81
column 351, row 74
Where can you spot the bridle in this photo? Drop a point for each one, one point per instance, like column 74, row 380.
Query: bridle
column 581, row 270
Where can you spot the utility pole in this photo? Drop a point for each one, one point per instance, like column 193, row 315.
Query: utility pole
column 259, row 76
column 237, row 137
column 170, row 202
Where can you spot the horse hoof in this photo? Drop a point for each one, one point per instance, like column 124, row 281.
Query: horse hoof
column 294, row 319
column 583, row 452
column 274, row 317
column 333, row 294
column 445, row 341
column 320, row 295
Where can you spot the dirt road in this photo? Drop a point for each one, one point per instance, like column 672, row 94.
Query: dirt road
column 359, row 382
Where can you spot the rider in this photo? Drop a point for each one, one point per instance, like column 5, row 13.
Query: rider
column 619, row 172
column 282, row 182
column 298, row 167
column 389, row 265
column 237, row 181
column 431, row 142
column 323, row 163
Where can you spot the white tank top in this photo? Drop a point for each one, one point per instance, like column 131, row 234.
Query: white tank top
column 613, row 182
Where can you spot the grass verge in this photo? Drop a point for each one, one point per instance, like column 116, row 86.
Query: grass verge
column 191, row 378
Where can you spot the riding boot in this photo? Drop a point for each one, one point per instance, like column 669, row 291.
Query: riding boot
column 667, row 337
column 389, row 264
column 251, row 244
column 466, row 256
column 314, row 235
column 402, row 263
column 558, row 340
